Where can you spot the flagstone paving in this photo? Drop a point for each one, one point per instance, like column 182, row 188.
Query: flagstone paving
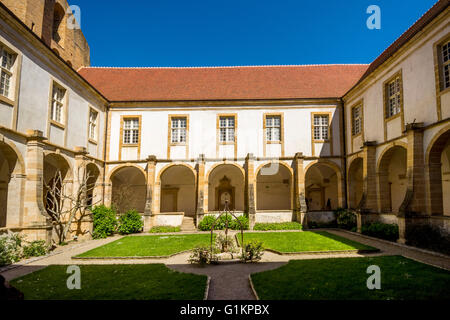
column 228, row 281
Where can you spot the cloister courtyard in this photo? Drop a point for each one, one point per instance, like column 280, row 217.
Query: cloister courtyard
column 321, row 264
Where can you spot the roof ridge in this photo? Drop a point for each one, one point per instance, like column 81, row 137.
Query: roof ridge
column 230, row 67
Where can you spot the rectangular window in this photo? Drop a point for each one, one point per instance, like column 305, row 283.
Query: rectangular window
column 445, row 50
column 131, row 131
column 226, row 127
column 356, row 120
column 7, row 60
column 93, row 125
column 179, row 126
column 273, row 128
column 393, row 94
column 320, row 127
column 57, row 111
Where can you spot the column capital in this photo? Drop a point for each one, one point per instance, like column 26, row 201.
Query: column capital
column 414, row 126
column 35, row 135
column 152, row 158
column 201, row 158
column 80, row 151
column 369, row 144
column 299, row 155
column 250, row 156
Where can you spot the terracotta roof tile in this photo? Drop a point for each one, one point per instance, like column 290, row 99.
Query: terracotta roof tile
column 224, row 83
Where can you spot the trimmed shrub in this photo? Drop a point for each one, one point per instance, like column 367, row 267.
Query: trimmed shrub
column 105, row 222
column 278, row 226
column 207, row 222
column 318, row 225
column 381, row 230
column 253, row 251
column 10, row 248
column 345, row 219
column 164, row 229
column 428, row 237
column 35, row 249
column 130, row 222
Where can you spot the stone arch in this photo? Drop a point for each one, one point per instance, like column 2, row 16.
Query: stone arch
column 225, row 163
column 226, row 181
column 437, row 167
column 274, row 190
column 59, row 23
column 178, row 189
column 158, row 178
column 323, row 186
column 119, row 167
column 11, row 183
column 128, row 188
column 355, row 182
column 392, row 177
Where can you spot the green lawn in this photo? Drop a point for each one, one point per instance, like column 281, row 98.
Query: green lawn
column 304, row 241
column 345, row 278
column 113, row 282
column 147, row 246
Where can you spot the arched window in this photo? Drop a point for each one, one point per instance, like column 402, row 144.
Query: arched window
column 58, row 23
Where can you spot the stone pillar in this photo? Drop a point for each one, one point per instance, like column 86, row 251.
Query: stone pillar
column 202, row 190
column 148, row 212
column 414, row 202
column 16, row 185
column 250, row 186
column 36, row 222
column 300, row 208
column 369, row 203
column 86, row 224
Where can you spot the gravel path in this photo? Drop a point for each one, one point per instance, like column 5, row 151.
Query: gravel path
column 229, row 281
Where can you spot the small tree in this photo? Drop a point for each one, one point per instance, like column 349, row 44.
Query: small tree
column 65, row 207
column 123, row 198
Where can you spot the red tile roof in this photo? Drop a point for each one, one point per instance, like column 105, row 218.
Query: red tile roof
column 223, row 83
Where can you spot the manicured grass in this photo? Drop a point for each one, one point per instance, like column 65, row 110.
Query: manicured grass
column 278, row 226
column 113, row 282
column 164, row 229
column 304, row 241
column 345, row 278
column 147, row 246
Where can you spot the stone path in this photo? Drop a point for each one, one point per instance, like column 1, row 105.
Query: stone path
column 228, row 281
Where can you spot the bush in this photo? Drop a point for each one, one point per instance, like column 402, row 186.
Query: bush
column 35, row 249
column 10, row 248
column 105, row 222
column 207, row 222
column 201, row 256
column 345, row 219
column 318, row 225
column 428, row 237
column 235, row 225
column 278, row 226
column 224, row 244
column 164, row 229
column 253, row 251
column 381, row 230
column 130, row 222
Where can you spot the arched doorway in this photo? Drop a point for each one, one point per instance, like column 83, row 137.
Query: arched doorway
column 57, row 174
column 321, row 185
column 438, row 167
column 10, row 190
column 355, row 183
column 92, row 175
column 178, row 190
column 129, row 189
column 392, row 180
column 274, row 187
column 226, row 182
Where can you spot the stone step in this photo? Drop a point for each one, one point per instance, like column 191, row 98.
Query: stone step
column 188, row 224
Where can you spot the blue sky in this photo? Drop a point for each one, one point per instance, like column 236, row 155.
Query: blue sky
column 140, row 33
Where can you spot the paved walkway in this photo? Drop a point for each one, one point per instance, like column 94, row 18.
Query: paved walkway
column 228, row 281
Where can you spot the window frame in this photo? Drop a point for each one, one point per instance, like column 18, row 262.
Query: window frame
column 122, row 131
column 179, row 129
column 359, row 105
column 313, row 125
column 96, row 125
column 227, row 128
column 12, row 72
column 62, row 103
column 387, row 97
column 132, row 130
column 442, row 64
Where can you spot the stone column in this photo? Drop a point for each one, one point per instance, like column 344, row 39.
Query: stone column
column 250, row 186
column 16, row 185
column 202, row 190
column 414, row 202
column 87, row 223
column 369, row 203
column 300, row 208
column 36, row 221
column 148, row 212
